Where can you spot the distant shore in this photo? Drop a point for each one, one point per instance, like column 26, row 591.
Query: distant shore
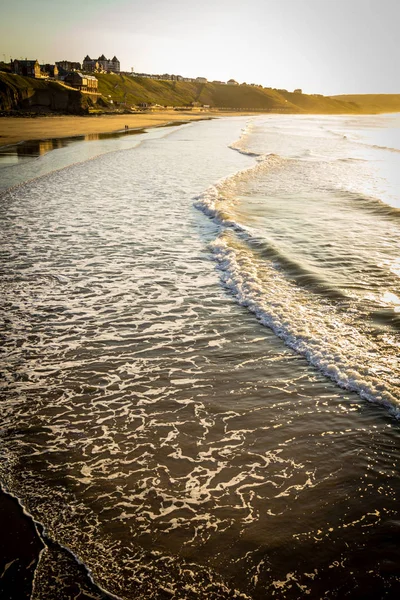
column 18, row 129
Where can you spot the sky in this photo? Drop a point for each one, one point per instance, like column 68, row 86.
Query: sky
column 321, row 46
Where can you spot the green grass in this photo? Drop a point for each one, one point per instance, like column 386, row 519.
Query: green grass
column 373, row 103
column 133, row 90
column 121, row 88
column 17, row 92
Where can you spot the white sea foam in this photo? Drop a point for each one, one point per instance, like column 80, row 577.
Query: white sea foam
column 217, row 201
column 330, row 340
column 241, row 144
column 316, row 331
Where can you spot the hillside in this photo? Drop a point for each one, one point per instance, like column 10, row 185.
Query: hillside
column 129, row 90
column 36, row 95
column 122, row 88
column 373, row 103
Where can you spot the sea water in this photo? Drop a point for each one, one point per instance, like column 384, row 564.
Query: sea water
column 201, row 341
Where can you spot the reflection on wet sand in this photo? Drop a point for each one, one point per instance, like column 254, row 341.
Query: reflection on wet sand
column 33, row 148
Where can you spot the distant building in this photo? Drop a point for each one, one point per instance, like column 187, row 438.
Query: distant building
column 298, row 91
column 114, row 65
column 232, row 82
column 101, row 64
column 66, row 66
column 27, row 68
column 84, row 83
column 164, row 77
column 89, row 65
column 49, row 71
column 201, row 80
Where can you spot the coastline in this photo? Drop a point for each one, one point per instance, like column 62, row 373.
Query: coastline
column 24, row 549
column 14, row 130
column 20, row 549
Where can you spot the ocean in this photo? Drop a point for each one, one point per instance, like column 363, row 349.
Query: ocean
column 200, row 394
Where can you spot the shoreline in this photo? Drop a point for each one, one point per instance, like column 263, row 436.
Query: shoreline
column 14, row 130
column 24, row 545
column 20, row 550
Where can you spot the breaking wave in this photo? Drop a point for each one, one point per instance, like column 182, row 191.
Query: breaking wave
column 317, row 331
column 317, row 320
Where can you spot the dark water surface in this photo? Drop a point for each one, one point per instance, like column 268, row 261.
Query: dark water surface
column 203, row 403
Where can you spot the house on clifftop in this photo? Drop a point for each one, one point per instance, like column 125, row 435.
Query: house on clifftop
column 89, row 65
column 83, row 83
column 112, row 65
column 49, row 71
column 101, row 64
column 27, row 68
column 65, row 66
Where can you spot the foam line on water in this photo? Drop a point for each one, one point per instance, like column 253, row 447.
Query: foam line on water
column 216, row 200
column 313, row 330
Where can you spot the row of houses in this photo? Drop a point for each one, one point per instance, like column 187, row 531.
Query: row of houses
column 32, row 68
column 168, row 77
column 73, row 78
column 69, row 72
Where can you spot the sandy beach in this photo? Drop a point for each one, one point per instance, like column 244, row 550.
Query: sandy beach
column 18, row 129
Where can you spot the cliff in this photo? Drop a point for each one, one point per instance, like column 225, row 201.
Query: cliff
column 35, row 95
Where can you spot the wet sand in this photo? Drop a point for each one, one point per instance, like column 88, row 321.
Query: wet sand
column 19, row 550
column 17, row 129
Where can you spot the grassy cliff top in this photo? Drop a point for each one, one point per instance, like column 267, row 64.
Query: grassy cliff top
column 373, row 103
column 130, row 91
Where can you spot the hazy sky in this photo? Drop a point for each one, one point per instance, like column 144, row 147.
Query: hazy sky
column 322, row 46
